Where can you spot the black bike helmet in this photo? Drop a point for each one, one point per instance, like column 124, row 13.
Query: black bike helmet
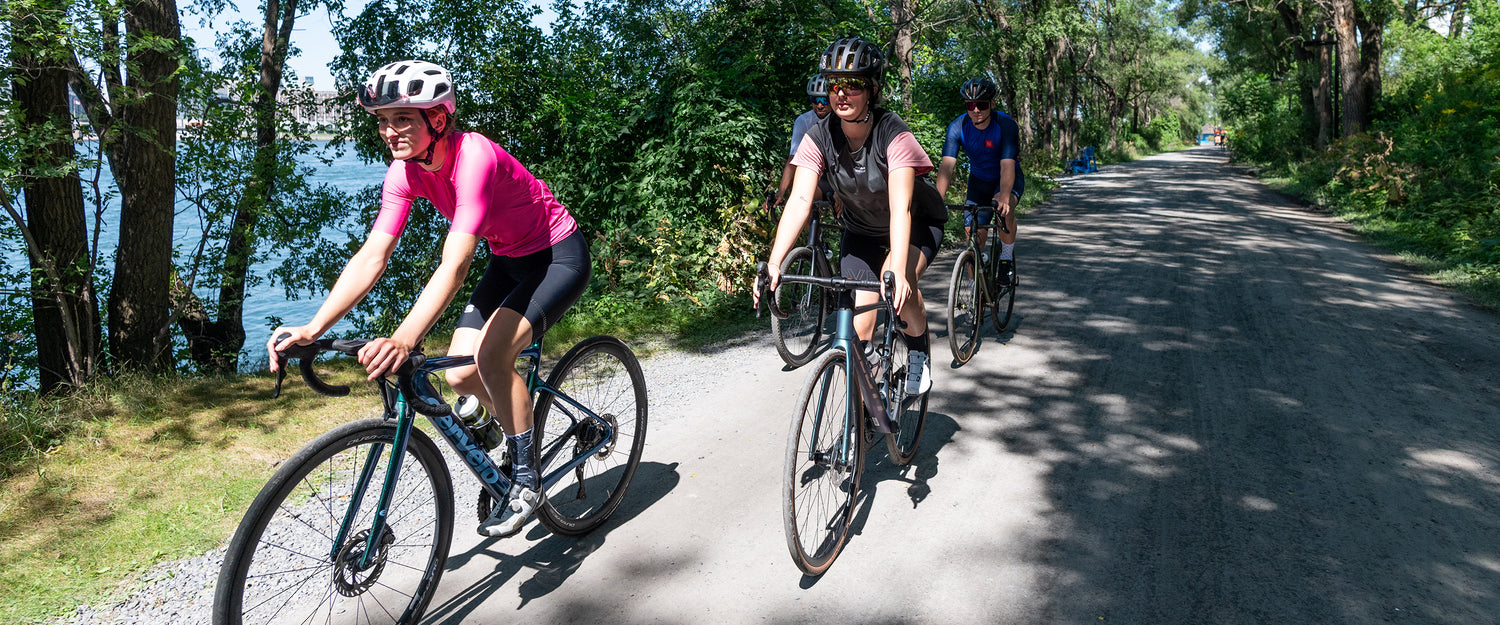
column 817, row 86
column 977, row 89
column 852, row 56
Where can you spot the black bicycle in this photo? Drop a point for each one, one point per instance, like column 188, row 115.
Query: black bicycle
column 807, row 305
column 848, row 401
column 355, row 527
column 977, row 285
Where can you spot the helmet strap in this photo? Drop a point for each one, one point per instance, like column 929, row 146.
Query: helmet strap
column 431, row 145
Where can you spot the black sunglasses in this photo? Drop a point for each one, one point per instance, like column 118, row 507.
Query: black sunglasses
column 822, row 99
column 977, row 105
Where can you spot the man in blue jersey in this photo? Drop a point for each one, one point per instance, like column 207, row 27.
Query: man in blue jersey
column 817, row 95
column 993, row 142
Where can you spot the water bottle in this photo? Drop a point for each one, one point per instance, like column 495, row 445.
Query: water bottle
column 485, row 429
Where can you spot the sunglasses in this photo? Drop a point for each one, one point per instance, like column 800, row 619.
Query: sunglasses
column 977, row 105
column 822, row 99
column 847, row 86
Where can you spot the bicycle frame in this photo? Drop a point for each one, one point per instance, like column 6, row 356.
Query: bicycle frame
column 476, row 458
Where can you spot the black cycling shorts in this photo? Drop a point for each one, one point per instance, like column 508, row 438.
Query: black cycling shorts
column 541, row 286
column 982, row 192
column 863, row 255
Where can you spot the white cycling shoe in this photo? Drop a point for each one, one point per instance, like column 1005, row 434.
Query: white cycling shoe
column 508, row 519
column 918, row 373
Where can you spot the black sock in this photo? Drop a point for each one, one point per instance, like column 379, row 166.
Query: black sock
column 920, row 343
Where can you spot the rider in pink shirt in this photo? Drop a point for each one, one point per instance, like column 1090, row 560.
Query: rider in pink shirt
column 538, row 266
column 484, row 191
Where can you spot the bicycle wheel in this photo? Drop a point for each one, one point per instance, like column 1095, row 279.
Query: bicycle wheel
column 964, row 311
column 824, row 461
column 908, row 411
column 797, row 336
column 602, row 375
column 1004, row 302
column 283, row 565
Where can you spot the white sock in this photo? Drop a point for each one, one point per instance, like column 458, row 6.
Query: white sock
column 1007, row 251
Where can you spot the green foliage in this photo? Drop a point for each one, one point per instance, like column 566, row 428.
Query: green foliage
column 1261, row 126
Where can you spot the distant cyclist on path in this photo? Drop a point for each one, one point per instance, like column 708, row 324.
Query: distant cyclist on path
column 538, row 265
column 993, row 142
column 894, row 219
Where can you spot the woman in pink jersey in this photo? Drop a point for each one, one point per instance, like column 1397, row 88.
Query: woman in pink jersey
column 538, row 267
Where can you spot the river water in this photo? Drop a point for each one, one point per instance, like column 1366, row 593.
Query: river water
column 346, row 172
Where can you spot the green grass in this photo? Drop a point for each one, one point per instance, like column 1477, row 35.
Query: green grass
column 152, row 469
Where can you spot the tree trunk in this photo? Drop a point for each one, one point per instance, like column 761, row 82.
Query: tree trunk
column 903, row 19
column 139, row 313
column 1456, row 21
column 215, row 343
column 1323, row 92
column 63, row 305
column 1371, row 48
column 1356, row 106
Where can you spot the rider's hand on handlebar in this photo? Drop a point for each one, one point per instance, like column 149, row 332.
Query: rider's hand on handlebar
column 382, row 356
column 773, row 273
column 283, row 338
column 900, row 292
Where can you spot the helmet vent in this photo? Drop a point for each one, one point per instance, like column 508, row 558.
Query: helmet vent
column 441, row 89
column 402, row 69
column 414, row 87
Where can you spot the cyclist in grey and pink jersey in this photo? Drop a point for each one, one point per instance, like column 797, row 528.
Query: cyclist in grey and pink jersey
column 538, row 265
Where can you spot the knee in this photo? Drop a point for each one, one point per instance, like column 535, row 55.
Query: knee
column 464, row 380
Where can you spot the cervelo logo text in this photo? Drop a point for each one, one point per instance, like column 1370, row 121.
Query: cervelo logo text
column 472, row 454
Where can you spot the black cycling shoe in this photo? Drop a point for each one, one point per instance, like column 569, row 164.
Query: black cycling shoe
column 1006, row 276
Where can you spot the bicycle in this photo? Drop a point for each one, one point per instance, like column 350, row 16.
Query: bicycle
column 968, row 296
column 843, row 399
column 797, row 342
column 304, row 551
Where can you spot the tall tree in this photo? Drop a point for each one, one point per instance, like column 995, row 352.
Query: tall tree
column 138, row 123
column 63, row 304
column 214, row 342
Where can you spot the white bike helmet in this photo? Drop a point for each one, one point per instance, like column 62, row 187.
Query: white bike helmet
column 408, row 84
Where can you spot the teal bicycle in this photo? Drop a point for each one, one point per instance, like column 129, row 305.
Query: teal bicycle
column 355, row 527
column 850, row 399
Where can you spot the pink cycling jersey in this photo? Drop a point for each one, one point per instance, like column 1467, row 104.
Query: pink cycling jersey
column 483, row 191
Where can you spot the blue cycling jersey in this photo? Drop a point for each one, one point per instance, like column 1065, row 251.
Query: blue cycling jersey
column 998, row 141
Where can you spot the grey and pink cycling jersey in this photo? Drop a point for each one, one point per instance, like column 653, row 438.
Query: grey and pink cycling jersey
column 483, row 191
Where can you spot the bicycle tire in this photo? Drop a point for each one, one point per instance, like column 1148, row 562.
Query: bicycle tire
column 1005, row 296
column 908, row 412
column 818, row 493
column 797, row 336
column 965, row 312
column 602, row 374
column 279, row 565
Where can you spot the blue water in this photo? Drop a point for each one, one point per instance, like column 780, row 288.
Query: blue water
column 347, row 172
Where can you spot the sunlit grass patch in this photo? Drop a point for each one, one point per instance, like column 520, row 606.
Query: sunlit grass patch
column 159, row 468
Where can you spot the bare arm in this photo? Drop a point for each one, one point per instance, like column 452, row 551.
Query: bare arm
column 793, row 219
column 787, row 173
column 358, row 277
column 1007, row 182
column 382, row 355
column 900, row 183
column 945, row 176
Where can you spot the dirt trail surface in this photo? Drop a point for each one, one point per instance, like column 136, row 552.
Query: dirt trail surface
column 1214, row 406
